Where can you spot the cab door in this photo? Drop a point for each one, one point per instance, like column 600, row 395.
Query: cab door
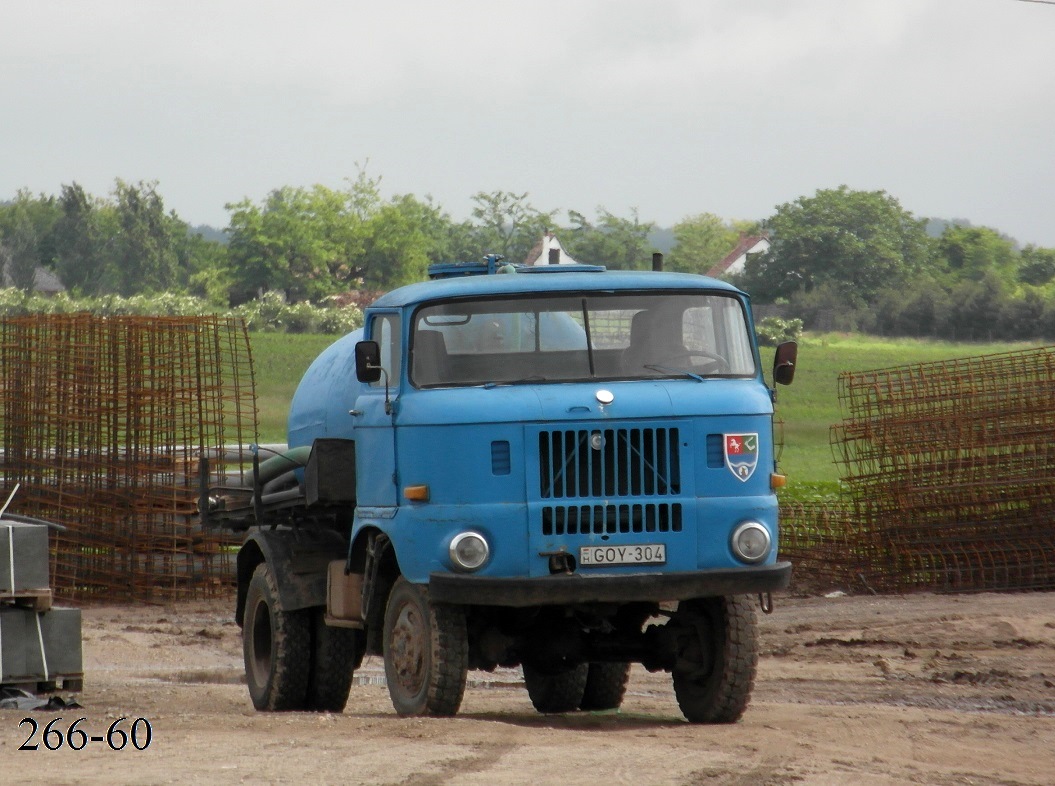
column 375, row 417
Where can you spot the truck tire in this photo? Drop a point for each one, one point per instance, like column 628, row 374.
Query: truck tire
column 276, row 645
column 426, row 651
column 605, row 686
column 556, row 691
column 335, row 654
column 717, row 658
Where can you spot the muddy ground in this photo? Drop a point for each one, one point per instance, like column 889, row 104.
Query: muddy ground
column 850, row 690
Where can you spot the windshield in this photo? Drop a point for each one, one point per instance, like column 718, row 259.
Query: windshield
column 562, row 338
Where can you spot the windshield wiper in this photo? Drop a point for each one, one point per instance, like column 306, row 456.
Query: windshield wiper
column 667, row 369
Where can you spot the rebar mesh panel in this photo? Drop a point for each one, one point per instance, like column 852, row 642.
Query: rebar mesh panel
column 950, row 471
column 104, row 421
column 822, row 541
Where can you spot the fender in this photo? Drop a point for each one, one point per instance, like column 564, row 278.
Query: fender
column 298, row 558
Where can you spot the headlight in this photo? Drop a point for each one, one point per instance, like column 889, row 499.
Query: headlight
column 469, row 551
column 751, row 542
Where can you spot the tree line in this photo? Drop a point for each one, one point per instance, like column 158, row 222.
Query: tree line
column 856, row 260
column 306, row 243
column 842, row 259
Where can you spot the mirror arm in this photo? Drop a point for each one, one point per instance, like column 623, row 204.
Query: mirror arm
column 384, row 375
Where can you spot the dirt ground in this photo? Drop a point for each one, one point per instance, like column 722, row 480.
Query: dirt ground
column 850, row 690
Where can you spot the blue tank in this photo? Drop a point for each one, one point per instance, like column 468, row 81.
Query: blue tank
column 326, row 393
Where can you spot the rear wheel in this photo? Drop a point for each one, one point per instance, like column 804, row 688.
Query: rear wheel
column 335, row 653
column 718, row 654
column 605, row 686
column 556, row 690
column 426, row 652
column 276, row 645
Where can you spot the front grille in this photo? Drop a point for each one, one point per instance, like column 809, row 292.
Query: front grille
column 610, row 519
column 612, row 462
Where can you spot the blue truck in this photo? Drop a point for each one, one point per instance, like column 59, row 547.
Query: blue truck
column 562, row 468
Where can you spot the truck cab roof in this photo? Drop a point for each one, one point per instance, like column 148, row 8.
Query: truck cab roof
column 530, row 283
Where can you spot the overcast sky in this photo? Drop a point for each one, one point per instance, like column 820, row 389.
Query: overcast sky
column 672, row 107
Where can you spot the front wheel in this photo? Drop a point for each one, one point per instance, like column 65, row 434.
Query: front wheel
column 718, row 654
column 426, row 650
column 276, row 645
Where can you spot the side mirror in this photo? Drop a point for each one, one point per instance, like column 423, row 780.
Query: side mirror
column 367, row 361
column 784, row 362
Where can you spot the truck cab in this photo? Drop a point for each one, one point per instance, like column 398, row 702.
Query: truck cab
column 563, row 468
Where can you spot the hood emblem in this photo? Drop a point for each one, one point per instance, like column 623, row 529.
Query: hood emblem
column 741, row 454
column 605, row 397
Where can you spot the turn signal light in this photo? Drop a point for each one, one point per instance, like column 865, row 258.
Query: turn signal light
column 777, row 481
column 416, row 493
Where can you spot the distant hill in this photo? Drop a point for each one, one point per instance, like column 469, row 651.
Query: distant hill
column 935, row 227
column 209, row 233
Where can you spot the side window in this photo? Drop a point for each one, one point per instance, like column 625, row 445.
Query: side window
column 384, row 329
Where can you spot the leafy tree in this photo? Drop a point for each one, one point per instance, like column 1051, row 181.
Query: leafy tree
column 364, row 194
column 826, row 307
column 971, row 253
column 458, row 243
column 297, row 243
column 856, row 241
column 21, row 246
column 1046, row 325
column 1022, row 316
column 919, row 308
column 403, row 238
column 975, row 308
column 309, row 243
column 1036, row 265
column 701, row 242
column 78, row 238
column 42, row 213
column 206, row 264
column 619, row 243
column 507, row 224
column 144, row 252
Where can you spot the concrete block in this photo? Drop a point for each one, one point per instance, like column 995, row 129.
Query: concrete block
column 23, row 557
column 39, row 646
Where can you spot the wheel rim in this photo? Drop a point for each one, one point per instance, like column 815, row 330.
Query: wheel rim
column 261, row 638
column 409, row 652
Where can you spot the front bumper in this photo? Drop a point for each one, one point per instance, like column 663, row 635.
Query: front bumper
column 560, row 590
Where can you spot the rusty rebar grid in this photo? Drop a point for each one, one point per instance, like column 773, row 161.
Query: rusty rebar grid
column 950, row 470
column 823, row 541
column 103, row 422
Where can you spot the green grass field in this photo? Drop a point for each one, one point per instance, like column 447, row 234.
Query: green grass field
column 808, row 408
column 279, row 361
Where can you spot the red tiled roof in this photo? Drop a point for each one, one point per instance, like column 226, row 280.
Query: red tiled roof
column 745, row 244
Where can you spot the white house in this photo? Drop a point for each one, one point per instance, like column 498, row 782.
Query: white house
column 549, row 251
column 734, row 261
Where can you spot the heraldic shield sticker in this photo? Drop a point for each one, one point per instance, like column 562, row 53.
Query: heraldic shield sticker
column 741, row 454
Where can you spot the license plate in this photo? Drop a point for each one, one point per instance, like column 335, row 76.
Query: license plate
column 638, row 554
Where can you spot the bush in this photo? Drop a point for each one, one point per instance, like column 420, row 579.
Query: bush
column 268, row 314
column 774, row 330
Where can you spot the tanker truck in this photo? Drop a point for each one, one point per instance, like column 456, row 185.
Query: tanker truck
column 562, row 468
